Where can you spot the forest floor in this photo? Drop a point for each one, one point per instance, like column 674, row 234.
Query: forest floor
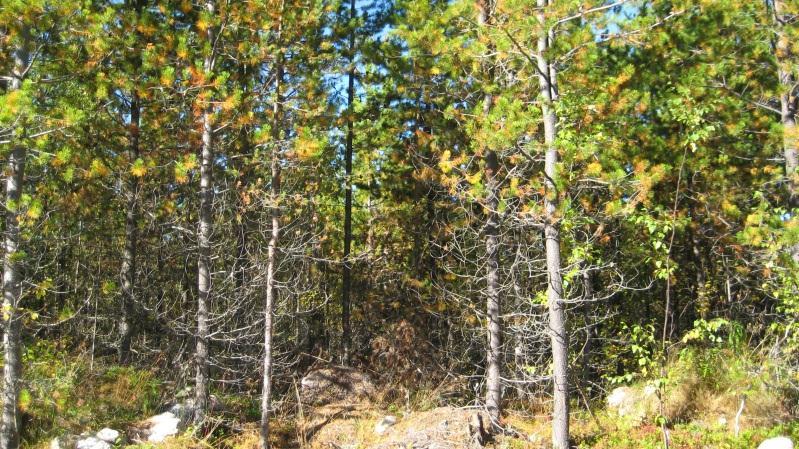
column 72, row 394
column 423, row 430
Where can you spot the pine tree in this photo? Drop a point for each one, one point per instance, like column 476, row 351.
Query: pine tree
column 205, row 217
column 12, row 270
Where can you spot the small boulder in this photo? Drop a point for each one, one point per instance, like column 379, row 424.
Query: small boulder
column 163, row 426
column 175, row 419
column 185, row 409
column 776, row 443
column 384, row 424
column 335, row 384
column 104, row 439
column 634, row 403
column 108, row 435
column 621, row 400
column 92, row 443
column 156, row 429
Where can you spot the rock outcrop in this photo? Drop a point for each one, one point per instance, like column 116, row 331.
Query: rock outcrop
column 440, row 428
column 335, row 385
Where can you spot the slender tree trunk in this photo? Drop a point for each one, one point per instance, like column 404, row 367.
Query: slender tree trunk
column 126, row 323
column 12, row 276
column 789, row 106
column 493, row 355
column 698, row 304
column 789, row 101
column 557, row 316
column 346, row 334
column 703, row 300
column 274, row 199
column 430, row 202
column 242, row 166
column 204, row 244
column 241, row 226
column 432, row 266
column 590, row 326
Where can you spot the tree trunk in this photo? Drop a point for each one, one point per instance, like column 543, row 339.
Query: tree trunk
column 241, row 226
column 789, row 101
column 346, row 331
column 493, row 355
column 557, row 317
column 12, row 282
column 266, row 393
column 204, row 244
column 126, row 324
column 590, row 325
column 242, row 165
column 789, row 106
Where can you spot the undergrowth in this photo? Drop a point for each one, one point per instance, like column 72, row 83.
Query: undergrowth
column 64, row 393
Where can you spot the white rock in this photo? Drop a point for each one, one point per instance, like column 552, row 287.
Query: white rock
column 636, row 404
column 55, row 443
column 619, row 399
column 776, row 443
column 650, row 390
column 162, row 426
column 92, row 443
column 384, row 424
column 108, row 435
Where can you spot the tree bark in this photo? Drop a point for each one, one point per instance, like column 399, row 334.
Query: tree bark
column 204, row 243
column 12, row 276
column 590, row 325
column 493, row 309
column 274, row 199
column 126, row 323
column 789, row 101
column 346, row 289
column 789, row 106
column 547, row 76
column 128, row 272
column 493, row 304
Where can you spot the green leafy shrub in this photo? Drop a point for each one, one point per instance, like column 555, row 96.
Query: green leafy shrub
column 713, row 378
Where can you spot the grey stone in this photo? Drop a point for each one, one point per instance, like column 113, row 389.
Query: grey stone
column 384, row 424
column 335, row 385
column 92, row 443
column 108, row 435
column 634, row 403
